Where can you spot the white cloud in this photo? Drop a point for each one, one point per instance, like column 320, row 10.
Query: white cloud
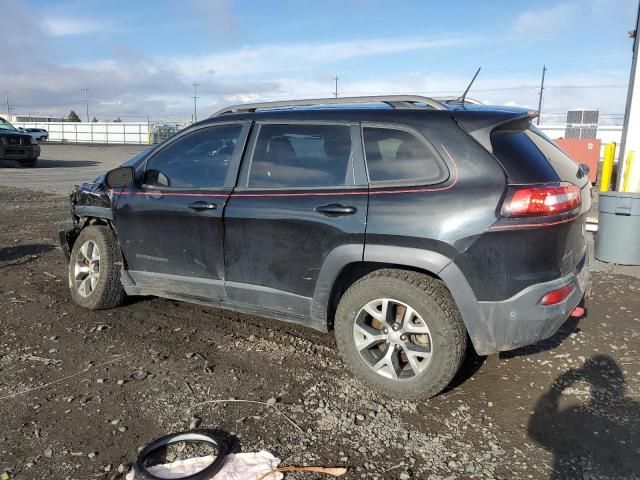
column 67, row 26
column 270, row 58
column 544, row 21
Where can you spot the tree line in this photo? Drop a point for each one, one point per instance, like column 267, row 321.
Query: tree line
column 73, row 117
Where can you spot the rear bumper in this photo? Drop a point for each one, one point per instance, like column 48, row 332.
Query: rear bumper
column 496, row 326
column 521, row 320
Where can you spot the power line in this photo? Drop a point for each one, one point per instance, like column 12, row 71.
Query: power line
column 499, row 89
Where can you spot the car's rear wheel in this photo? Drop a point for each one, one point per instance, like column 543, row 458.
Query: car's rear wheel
column 42, row 139
column 94, row 269
column 400, row 332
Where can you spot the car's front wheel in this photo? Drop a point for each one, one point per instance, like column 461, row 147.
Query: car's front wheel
column 400, row 332
column 94, row 269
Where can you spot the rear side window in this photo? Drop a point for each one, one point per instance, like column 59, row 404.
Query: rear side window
column 399, row 156
column 301, row 156
column 199, row 159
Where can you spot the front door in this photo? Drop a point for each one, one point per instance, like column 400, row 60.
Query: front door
column 302, row 194
column 170, row 226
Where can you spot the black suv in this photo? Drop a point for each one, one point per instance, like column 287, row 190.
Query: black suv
column 17, row 146
column 410, row 226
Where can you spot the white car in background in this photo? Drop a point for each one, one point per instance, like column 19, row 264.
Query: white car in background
column 39, row 134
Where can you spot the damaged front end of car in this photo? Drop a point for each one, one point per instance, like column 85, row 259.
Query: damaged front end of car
column 89, row 203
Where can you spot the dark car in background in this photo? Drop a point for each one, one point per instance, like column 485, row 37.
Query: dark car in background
column 414, row 228
column 17, row 146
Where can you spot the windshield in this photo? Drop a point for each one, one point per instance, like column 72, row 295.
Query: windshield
column 4, row 125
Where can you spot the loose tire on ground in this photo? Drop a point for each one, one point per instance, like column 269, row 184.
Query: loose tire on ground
column 108, row 291
column 431, row 300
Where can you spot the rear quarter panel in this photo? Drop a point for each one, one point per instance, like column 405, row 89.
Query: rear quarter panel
column 446, row 218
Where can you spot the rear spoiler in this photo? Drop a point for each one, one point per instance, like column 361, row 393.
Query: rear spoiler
column 479, row 123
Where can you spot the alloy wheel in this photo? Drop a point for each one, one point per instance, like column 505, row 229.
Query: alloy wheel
column 393, row 339
column 86, row 269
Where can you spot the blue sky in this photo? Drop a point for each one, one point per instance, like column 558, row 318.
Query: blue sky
column 141, row 57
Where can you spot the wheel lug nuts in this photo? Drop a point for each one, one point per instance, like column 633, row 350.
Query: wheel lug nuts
column 395, row 326
column 403, row 338
column 385, row 330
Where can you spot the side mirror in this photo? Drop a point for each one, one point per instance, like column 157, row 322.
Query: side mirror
column 119, row 177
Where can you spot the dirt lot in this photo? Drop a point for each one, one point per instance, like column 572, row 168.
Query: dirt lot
column 81, row 391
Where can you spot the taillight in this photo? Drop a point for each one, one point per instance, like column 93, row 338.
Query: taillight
column 556, row 296
column 549, row 199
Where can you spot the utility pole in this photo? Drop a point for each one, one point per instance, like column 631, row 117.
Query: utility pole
column 85, row 91
column 544, row 70
column 6, row 98
column 335, row 93
column 195, row 102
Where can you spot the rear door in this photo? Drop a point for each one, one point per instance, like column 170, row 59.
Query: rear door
column 170, row 226
column 301, row 194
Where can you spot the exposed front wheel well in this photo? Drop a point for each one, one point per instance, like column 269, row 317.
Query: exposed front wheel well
column 353, row 272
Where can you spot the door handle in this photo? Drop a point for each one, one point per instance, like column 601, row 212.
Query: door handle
column 335, row 210
column 201, row 205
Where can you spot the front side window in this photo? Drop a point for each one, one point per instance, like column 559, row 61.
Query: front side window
column 399, row 156
column 300, row 156
column 197, row 160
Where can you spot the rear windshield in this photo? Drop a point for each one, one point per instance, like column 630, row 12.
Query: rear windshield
column 529, row 156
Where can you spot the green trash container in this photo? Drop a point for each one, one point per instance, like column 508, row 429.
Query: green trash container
column 618, row 239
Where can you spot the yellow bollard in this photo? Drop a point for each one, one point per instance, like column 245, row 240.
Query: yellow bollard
column 628, row 170
column 607, row 166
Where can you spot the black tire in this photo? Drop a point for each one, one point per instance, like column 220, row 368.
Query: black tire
column 29, row 163
column 108, row 291
column 431, row 300
column 42, row 139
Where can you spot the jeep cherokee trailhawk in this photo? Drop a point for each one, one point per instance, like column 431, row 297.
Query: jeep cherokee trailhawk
column 412, row 227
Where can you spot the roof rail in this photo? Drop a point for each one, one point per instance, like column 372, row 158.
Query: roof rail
column 395, row 101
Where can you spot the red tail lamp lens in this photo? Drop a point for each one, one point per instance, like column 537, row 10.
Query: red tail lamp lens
column 557, row 296
column 542, row 200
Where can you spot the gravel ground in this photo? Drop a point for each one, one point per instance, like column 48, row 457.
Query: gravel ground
column 81, row 391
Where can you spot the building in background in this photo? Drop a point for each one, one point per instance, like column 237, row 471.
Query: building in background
column 19, row 117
